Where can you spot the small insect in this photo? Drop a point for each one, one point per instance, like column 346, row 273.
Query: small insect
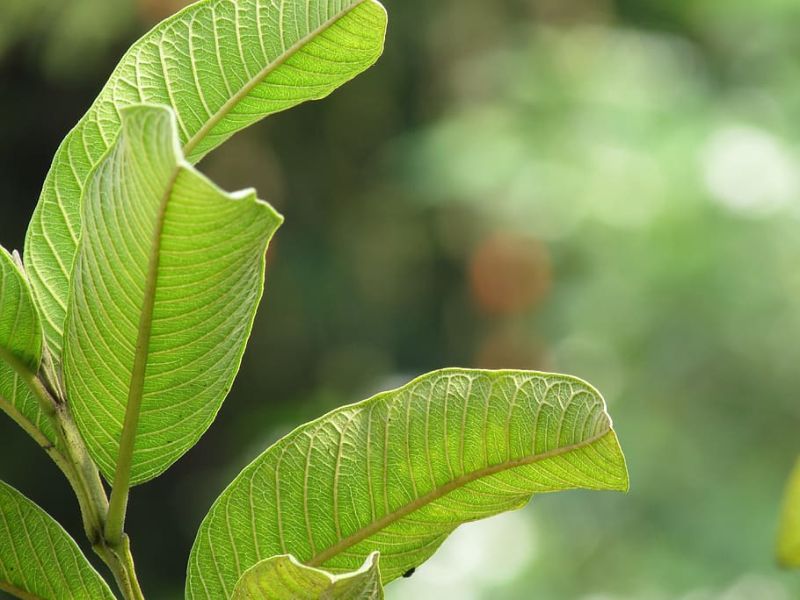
column 410, row 572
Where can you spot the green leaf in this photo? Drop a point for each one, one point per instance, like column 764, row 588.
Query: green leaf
column 221, row 65
column 789, row 532
column 167, row 279
column 399, row 472
column 20, row 332
column 38, row 559
column 284, row 578
column 20, row 348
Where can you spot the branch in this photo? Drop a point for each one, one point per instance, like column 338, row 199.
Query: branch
column 72, row 457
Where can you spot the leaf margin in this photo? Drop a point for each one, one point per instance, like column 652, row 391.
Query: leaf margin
column 371, row 568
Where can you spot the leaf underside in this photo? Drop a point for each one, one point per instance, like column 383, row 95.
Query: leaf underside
column 38, row 559
column 789, row 533
column 20, row 332
column 399, row 472
column 20, row 341
column 167, row 280
column 222, row 65
column 285, row 578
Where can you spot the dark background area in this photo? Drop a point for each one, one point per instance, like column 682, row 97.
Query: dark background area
column 605, row 188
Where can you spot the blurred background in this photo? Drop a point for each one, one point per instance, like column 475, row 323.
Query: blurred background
column 607, row 188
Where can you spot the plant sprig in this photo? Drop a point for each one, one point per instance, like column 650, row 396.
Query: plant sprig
column 121, row 336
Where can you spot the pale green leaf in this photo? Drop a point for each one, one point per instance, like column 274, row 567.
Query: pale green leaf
column 167, row 280
column 789, row 533
column 221, row 65
column 20, row 344
column 399, row 472
column 20, row 331
column 285, row 578
column 38, row 559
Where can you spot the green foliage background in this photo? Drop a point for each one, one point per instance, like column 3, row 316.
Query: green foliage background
column 604, row 188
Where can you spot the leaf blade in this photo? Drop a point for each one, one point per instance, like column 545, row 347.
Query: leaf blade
column 20, row 331
column 39, row 558
column 21, row 343
column 260, row 58
column 789, row 530
column 438, row 452
column 285, row 578
column 168, row 277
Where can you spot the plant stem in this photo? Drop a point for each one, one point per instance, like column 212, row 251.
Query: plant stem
column 81, row 472
column 91, row 497
column 120, row 561
column 44, row 443
column 72, row 457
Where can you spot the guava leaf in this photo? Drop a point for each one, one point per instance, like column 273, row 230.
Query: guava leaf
column 20, row 331
column 221, row 65
column 789, row 532
column 399, row 472
column 167, row 280
column 20, row 343
column 38, row 559
column 285, row 578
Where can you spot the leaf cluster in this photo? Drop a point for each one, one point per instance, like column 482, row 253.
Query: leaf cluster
column 122, row 330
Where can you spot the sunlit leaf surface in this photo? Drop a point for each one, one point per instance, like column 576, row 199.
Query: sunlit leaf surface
column 284, row 578
column 399, row 472
column 221, row 65
column 38, row 559
column 168, row 277
column 789, row 535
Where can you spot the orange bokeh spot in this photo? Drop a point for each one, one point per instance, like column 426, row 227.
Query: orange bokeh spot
column 153, row 11
column 509, row 273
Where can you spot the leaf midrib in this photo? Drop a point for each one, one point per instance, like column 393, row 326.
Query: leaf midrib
column 243, row 92
column 122, row 474
column 437, row 493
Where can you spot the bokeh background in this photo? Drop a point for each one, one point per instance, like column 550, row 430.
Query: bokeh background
column 608, row 188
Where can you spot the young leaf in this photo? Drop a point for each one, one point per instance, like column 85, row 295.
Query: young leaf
column 789, row 533
column 221, row 65
column 167, row 279
column 20, row 348
column 38, row 559
column 285, row 578
column 399, row 472
column 20, row 332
